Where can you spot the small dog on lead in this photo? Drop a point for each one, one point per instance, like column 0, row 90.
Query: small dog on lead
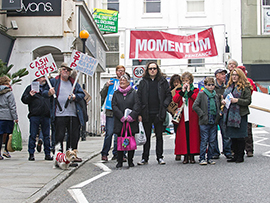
column 63, row 160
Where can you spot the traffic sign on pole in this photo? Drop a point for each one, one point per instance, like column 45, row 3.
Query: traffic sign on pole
column 137, row 72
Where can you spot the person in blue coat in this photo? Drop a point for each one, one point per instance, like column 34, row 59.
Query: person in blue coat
column 68, row 117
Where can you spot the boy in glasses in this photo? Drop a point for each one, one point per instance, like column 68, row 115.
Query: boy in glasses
column 207, row 107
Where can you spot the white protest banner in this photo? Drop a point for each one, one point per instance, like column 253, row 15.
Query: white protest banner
column 259, row 109
column 83, row 63
column 41, row 66
column 137, row 72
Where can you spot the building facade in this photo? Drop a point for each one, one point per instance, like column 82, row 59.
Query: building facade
column 256, row 39
column 179, row 17
column 46, row 26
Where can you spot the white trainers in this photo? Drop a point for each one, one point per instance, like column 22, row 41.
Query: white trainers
column 161, row 161
column 203, row 162
column 211, row 162
column 142, row 162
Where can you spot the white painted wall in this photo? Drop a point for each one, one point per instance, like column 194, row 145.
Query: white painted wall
column 222, row 15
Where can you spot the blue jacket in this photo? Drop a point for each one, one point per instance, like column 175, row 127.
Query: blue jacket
column 78, row 91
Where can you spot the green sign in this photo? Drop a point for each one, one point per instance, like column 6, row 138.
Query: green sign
column 107, row 20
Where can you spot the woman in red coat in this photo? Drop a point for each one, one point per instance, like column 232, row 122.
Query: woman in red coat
column 187, row 141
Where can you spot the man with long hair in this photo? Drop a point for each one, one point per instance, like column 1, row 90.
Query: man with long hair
column 155, row 96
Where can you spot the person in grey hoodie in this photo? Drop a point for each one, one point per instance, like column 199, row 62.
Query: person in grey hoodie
column 8, row 113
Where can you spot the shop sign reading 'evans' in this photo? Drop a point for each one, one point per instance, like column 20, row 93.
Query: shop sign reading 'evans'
column 38, row 8
column 158, row 45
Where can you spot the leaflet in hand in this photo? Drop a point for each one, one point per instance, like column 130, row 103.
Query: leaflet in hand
column 35, row 86
column 127, row 112
column 228, row 100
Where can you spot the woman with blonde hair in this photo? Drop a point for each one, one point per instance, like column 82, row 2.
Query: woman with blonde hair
column 8, row 113
column 235, row 115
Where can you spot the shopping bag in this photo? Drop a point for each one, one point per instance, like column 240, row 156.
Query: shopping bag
column 140, row 137
column 126, row 143
column 9, row 148
column 16, row 142
column 177, row 116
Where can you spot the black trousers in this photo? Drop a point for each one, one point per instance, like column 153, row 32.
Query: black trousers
column 72, row 125
column 120, row 156
column 249, row 139
column 238, row 147
column 158, row 125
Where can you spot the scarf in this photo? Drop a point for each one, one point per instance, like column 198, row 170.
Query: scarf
column 232, row 115
column 124, row 91
column 211, row 96
column 186, row 93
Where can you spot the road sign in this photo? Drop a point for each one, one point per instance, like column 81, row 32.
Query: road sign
column 137, row 72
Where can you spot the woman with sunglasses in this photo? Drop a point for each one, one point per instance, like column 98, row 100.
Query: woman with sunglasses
column 207, row 107
column 236, row 111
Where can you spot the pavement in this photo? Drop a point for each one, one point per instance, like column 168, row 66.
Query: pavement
column 31, row 181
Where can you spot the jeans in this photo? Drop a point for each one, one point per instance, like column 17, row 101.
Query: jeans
column 108, row 138
column 208, row 135
column 35, row 121
column 63, row 123
column 158, row 125
column 226, row 143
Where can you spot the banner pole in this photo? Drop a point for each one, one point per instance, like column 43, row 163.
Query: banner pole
column 54, row 95
column 73, row 87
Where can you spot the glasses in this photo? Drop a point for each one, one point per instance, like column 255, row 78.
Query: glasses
column 235, row 75
column 64, row 69
column 210, row 85
column 121, row 71
column 152, row 68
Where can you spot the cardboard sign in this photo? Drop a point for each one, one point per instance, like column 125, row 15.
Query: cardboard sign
column 83, row 63
column 41, row 66
column 112, row 88
column 260, row 109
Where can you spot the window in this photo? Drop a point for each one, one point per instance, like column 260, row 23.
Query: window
column 152, row 6
column 195, row 6
column 266, row 16
column 196, row 62
column 113, row 5
column 112, row 56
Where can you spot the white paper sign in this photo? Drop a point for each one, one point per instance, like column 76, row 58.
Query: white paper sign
column 83, row 63
column 41, row 66
column 228, row 100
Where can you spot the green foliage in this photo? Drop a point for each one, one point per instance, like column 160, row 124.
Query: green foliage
column 15, row 77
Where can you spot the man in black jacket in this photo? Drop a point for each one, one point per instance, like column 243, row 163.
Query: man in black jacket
column 39, row 114
column 155, row 96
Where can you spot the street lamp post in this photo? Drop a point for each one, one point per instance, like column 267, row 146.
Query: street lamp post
column 84, row 35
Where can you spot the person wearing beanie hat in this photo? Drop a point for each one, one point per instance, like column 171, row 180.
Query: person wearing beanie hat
column 39, row 115
column 104, row 93
column 249, row 139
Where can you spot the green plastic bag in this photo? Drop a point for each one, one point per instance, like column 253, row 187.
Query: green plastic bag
column 16, row 142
